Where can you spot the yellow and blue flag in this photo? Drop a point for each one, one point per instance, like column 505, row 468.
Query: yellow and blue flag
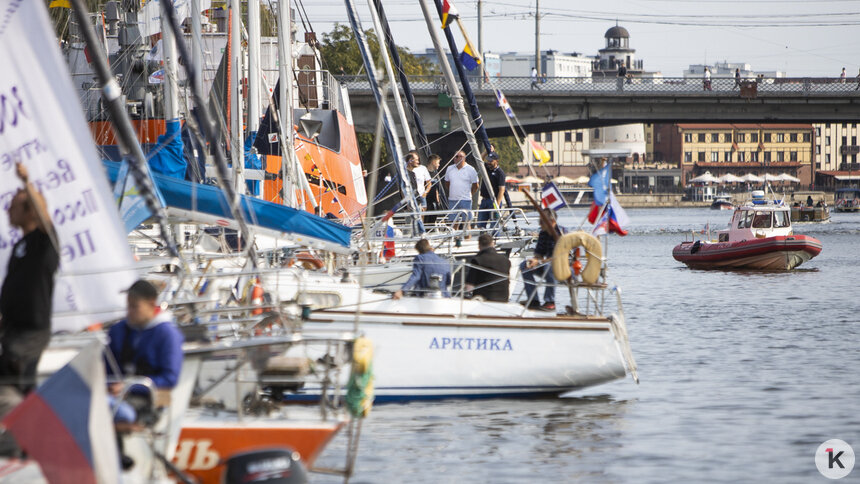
column 468, row 57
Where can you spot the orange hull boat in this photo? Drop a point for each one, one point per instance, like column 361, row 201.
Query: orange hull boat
column 205, row 444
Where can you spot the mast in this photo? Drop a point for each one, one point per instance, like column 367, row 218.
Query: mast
column 391, row 138
column 171, row 87
column 285, row 111
column 196, row 40
column 404, row 82
column 455, row 91
column 210, row 132
column 395, row 90
column 253, row 66
column 237, row 145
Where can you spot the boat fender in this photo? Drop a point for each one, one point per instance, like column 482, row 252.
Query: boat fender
column 359, row 389
column 593, row 254
column 696, row 246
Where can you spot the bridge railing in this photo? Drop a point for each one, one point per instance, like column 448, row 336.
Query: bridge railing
column 718, row 87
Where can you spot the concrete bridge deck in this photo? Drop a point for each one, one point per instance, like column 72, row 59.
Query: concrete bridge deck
column 574, row 103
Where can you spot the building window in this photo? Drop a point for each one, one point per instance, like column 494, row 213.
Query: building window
column 596, row 134
column 853, row 141
column 827, row 140
column 688, row 156
column 827, row 160
column 579, row 136
column 741, row 156
column 793, row 156
column 817, row 149
column 568, row 136
column 844, row 140
column 767, row 137
column 648, row 138
column 780, row 156
column 701, row 156
column 688, row 137
column 728, row 137
column 780, row 137
column 767, row 156
column 658, row 137
column 753, row 137
column 742, row 137
column 817, row 132
column 792, row 137
column 702, row 138
column 715, row 156
column 727, row 156
column 754, row 156
column 549, row 137
column 806, row 138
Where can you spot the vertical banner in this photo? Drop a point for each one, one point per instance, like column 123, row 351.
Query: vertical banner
column 42, row 125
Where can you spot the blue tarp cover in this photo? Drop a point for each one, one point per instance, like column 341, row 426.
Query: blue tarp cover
column 211, row 200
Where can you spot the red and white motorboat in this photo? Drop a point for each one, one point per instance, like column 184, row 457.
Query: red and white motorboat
column 759, row 237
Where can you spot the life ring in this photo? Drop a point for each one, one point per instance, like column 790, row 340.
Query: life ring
column 306, row 260
column 561, row 254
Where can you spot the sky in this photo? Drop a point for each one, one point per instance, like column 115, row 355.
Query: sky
column 799, row 37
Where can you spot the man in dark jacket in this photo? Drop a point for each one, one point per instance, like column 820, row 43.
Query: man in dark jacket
column 489, row 285
column 25, row 299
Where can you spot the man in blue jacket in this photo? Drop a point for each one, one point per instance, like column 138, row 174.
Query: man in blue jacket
column 146, row 343
column 425, row 265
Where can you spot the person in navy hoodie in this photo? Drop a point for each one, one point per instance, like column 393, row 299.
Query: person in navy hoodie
column 145, row 343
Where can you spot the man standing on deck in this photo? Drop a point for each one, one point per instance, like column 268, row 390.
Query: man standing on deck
column 461, row 182
column 494, row 195
column 27, row 293
column 422, row 178
column 435, row 197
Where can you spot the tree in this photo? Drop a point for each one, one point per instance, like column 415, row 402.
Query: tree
column 510, row 153
column 340, row 55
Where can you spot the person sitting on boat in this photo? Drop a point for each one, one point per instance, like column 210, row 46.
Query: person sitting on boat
column 809, row 201
column 540, row 265
column 427, row 267
column 488, row 284
column 146, row 343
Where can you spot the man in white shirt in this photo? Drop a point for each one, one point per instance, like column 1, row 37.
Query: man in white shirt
column 461, row 182
column 422, row 178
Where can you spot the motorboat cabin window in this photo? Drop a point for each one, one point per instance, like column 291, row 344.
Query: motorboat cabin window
column 781, row 219
column 761, row 220
column 745, row 219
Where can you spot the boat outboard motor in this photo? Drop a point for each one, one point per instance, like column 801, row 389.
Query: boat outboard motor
column 270, row 466
column 435, row 283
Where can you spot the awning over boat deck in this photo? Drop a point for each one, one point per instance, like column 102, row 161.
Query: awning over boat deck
column 276, row 220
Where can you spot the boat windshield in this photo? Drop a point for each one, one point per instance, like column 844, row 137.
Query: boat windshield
column 745, row 219
column 847, row 194
column 761, row 220
column 781, row 219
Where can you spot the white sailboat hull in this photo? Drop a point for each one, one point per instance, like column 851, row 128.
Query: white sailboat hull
column 420, row 356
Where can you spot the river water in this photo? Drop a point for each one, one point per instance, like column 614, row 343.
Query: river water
column 743, row 375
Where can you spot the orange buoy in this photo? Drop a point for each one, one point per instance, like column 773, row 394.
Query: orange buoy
column 257, row 297
column 577, row 266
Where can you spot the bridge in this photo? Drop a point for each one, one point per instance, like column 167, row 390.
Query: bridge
column 575, row 103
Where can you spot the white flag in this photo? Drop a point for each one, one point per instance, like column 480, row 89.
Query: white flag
column 42, row 126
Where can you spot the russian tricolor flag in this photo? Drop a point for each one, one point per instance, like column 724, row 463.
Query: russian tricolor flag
column 66, row 424
column 614, row 217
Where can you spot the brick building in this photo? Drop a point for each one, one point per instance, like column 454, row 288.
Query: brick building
column 737, row 149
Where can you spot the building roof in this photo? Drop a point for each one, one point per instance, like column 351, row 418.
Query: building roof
column 743, row 126
column 617, row 32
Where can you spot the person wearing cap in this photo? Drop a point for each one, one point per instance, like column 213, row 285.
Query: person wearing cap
column 27, row 292
column 492, row 196
column 147, row 342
